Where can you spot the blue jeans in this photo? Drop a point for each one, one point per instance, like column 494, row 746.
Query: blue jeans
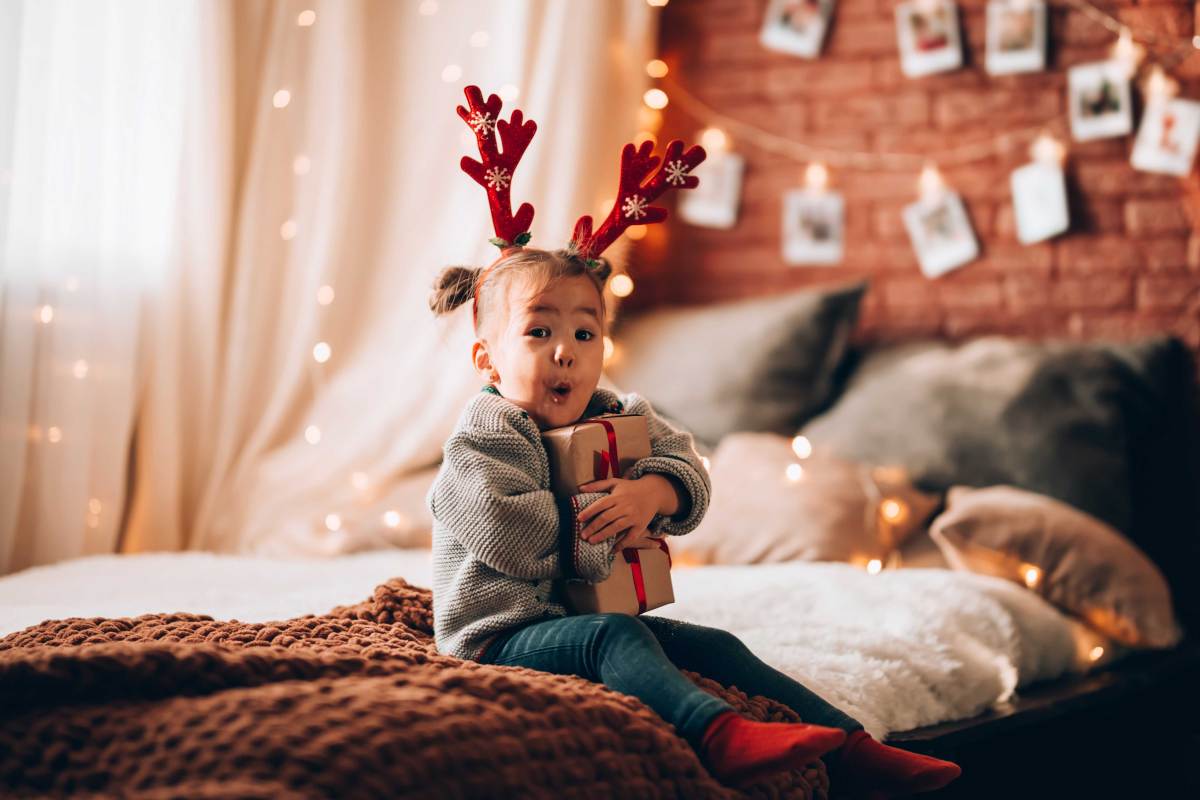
column 641, row 656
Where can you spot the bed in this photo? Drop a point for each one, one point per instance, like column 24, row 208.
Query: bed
column 905, row 651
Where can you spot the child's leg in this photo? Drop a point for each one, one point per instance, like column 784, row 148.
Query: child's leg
column 618, row 651
column 720, row 655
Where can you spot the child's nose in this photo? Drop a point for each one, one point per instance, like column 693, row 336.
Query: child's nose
column 563, row 355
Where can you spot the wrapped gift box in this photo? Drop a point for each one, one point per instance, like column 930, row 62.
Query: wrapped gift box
column 594, row 449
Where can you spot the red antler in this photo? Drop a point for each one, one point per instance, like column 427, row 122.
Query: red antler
column 496, row 172
column 632, row 206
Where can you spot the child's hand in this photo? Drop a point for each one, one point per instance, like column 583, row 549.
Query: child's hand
column 630, row 504
column 640, row 539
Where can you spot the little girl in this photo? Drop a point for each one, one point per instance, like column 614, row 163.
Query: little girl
column 501, row 538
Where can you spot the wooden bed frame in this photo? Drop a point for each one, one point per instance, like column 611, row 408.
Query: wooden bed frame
column 1129, row 731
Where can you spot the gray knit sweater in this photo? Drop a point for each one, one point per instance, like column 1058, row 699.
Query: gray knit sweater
column 501, row 537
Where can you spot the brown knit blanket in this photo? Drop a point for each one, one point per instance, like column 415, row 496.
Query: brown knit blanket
column 353, row 703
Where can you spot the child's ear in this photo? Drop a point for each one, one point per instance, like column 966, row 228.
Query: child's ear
column 481, row 359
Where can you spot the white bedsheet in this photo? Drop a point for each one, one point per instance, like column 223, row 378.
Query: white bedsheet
column 897, row 650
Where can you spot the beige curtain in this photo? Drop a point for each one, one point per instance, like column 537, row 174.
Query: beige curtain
column 245, row 441
column 288, row 388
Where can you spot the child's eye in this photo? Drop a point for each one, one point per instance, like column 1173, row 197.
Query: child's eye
column 539, row 333
column 585, row 335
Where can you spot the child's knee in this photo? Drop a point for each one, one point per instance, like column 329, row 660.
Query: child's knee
column 613, row 625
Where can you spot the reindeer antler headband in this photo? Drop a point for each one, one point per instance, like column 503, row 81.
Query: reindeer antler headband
column 643, row 180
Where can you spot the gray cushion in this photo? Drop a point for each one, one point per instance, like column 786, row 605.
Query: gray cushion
column 764, row 364
column 1103, row 427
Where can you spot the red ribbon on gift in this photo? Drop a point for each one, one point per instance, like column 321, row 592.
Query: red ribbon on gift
column 634, row 560
column 606, row 463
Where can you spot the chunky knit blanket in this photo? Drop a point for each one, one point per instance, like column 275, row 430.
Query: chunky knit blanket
column 353, row 703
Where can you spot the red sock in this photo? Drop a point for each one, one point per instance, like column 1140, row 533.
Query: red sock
column 738, row 749
column 868, row 766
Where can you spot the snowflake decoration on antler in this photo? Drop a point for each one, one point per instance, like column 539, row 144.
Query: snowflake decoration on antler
column 482, row 123
column 677, row 172
column 497, row 178
column 634, row 207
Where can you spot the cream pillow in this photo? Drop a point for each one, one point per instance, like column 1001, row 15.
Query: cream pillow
column 1075, row 561
column 831, row 510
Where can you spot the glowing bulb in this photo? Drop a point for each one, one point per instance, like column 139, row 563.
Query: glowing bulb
column 509, row 92
column 657, row 3
column 874, row 565
column 816, row 177
column 1096, row 652
column 306, row 18
column 657, row 68
column 359, row 481
column 1127, row 51
column 802, row 447
column 428, row 8
column 333, row 522
column 621, row 285
column 1032, row 575
column 321, row 352
column 707, row 464
column 892, row 510
column 80, row 369
column 714, row 140
column 930, row 182
column 794, row 472
column 282, row 98
column 1048, row 150
column 391, row 519
column 451, row 73
column 1159, row 86
column 54, row 434
column 287, row 231
column 655, row 98
column 608, row 348
column 325, row 295
column 636, row 232
column 312, row 434
column 301, row 165
column 1196, row 41
column 480, row 39
column 94, row 505
column 46, row 314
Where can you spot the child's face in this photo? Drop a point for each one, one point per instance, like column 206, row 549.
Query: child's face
column 545, row 354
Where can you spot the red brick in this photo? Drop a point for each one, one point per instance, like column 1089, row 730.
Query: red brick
column 1155, row 216
column 995, row 108
column 960, row 289
column 1025, row 295
column 864, row 37
column 1092, row 293
column 909, row 108
column 1121, row 179
column 1080, row 255
column 909, row 293
column 1158, row 294
column 1164, row 255
column 1193, row 252
column 805, row 79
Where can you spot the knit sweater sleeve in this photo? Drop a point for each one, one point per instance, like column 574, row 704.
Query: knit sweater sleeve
column 487, row 495
column 672, row 452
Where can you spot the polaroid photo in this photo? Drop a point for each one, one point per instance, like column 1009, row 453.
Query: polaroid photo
column 1167, row 137
column 813, row 227
column 940, row 233
column 1016, row 36
column 796, row 26
column 1099, row 100
column 929, row 38
column 714, row 203
column 1039, row 194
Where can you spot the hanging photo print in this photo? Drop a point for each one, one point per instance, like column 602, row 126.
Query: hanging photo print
column 1016, row 36
column 796, row 26
column 1099, row 102
column 1039, row 201
column 928, row 34
column 812, row 227
column 1167, row 136
column 940, row 233
column 714, row 203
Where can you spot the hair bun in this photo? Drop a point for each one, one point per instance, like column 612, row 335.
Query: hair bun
column 452, row 287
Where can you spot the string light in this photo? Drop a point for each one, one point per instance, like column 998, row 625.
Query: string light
column 816, row 177
column 1047, row 150
column 54, row 434
column 609, row 348
column 301, row 164
column 325, row 295
column 1031, row 575
column 333, row 522
column 794, row 472
column 657, row 3
column 874, row 566
column 46, row 314
column 80, row 370
column 657, row 68
column 281, row 98
column 1159, row 86
column 1096, row 652
column 306, row 18
column 508, row 93
column 930, row 183
column 391, row 518
column 655, row 98
column 451, row 73
column 287, row 231
column 621, row 285
column 714, row 140
column 893, row 510
column 707, row 464
column 802, row 447
column 94, row 505
column 1128, row 52
column 428, row 8
column 312, row 434
column 321, row 352
column 636, row 232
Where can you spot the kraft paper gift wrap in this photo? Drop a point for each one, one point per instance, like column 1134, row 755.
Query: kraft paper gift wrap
column 594, row 449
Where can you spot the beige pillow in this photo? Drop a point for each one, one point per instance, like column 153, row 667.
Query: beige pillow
column 1072, row 559
column 834, row 510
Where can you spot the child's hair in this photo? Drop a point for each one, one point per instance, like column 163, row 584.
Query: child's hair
column 456, row 285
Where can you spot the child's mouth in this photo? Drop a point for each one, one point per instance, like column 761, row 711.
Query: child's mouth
column 559, row 392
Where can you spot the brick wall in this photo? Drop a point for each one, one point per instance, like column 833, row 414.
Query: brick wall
column 1129, row 265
